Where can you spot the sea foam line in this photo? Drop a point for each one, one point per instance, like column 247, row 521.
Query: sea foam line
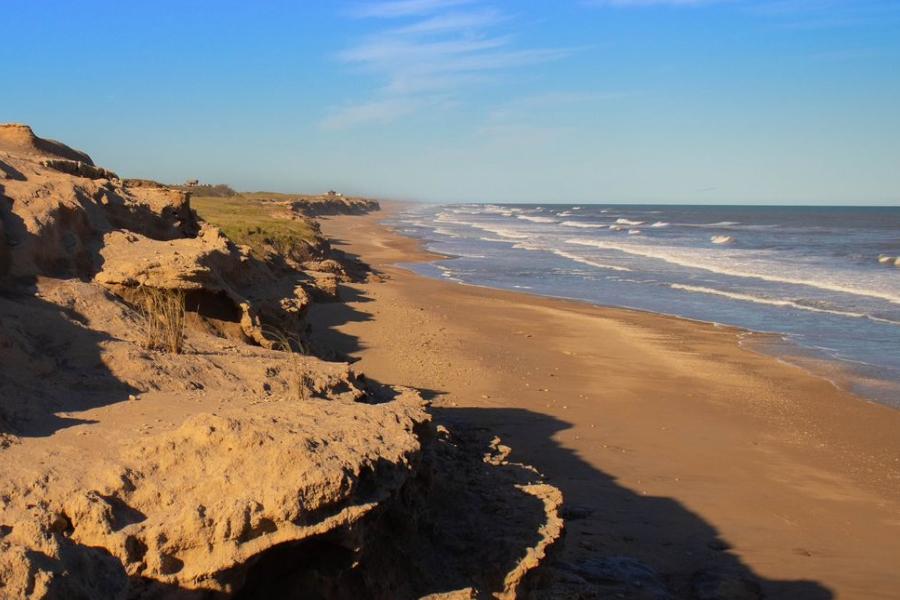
column 585, row 261
column 669, row 258
column 502, row 232
column 536, row 219
column 773, row 302
column 583, row 225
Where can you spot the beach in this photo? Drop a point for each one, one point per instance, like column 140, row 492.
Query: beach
column 672, row 441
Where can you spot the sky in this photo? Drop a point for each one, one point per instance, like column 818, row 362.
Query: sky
column 572, row 101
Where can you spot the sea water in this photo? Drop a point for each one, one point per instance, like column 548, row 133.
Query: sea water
column 825, row 278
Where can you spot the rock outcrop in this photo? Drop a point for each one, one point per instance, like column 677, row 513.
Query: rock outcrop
column 16, row 138
column 233, row 468
column 123, row 235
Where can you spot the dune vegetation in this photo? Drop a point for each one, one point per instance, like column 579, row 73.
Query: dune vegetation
column 256, row 221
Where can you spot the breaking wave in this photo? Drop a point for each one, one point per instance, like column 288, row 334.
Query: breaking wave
column 672, row 256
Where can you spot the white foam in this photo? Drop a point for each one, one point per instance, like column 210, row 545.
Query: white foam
column 416, row 223
column 720, row 224
column 775, row 302
column 677, row 256
column 500, row 210
column 505, row 233
column 449, row 273
column 587, row 261
column 527, row 246
column 488, row 239
column 501, row 231
column 623, row 221
column 634, row 232
column 660, row 224
column 445, row 218
column 582, row 224
column 536, row 219
column 721, row 239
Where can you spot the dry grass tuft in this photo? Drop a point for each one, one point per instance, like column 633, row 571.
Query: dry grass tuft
column 300, row 382
column 163, row 318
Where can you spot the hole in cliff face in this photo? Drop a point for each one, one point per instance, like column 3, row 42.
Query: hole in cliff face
column 212, row 305
column 169, row 565
column 263, row 527
column 319, row 568
column 123, row 514
column 135, row 549
column 214, row 313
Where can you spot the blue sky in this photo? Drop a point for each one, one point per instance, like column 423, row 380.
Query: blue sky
column 690, row 101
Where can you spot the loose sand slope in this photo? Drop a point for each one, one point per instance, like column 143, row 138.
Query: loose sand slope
column 718, row 467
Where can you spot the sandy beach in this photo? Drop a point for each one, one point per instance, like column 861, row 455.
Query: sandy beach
column 672, row 442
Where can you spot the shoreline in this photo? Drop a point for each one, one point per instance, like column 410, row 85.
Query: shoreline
column 751, row 340
column 700, row 450
column 815, row 361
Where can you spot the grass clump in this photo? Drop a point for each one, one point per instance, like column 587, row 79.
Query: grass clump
column 300, row 382
column 163, row 315
column 257, row 222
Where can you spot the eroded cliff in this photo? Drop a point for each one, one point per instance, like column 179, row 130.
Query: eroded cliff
column 232, row 468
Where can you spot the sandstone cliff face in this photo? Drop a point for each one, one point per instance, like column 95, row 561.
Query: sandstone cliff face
column 54, row 221
column 232, row 469
column 123, row 236
column 17, row 138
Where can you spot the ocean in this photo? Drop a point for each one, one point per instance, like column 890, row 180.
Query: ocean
column 826, row 279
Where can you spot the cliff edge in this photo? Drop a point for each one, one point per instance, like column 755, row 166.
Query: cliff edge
column 162, row 435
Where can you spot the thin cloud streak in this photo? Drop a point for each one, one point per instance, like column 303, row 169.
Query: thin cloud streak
column 453, row 22
column 440, row 51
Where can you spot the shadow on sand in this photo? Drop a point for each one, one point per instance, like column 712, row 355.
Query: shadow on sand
column 50, row 365
column 604, row 520
column 49, row 362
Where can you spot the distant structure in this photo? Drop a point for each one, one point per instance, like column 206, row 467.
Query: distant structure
column 192, row 182
column 336, row 194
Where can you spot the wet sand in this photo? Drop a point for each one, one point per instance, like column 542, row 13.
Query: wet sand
column 672, row 442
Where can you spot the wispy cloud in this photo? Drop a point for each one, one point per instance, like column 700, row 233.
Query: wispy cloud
column 429, row 54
